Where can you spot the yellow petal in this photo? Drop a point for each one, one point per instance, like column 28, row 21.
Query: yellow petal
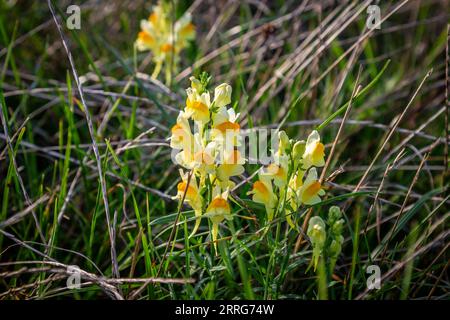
column 153, row 18
column 145, row 38
column 214, row 232
column 187, row 30
column 167, row 47
column 191, row 192
column 227, row 125
column 199, row 110
column 219, row 204
column 198, row 215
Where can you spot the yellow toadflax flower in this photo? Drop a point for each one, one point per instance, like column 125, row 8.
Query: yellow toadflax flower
column 199, row 152
column 232, row 166
column 314, row 154
column 164, row 38
column 197, row 105
column 311, row 190
column 283, row 144
column 192, row 197
column 291, row 161
column 222, row 95
column 278, row 171
column 181, row 133
column 198, row 156
column 293, row 192
column 218, row 210
column 225, row 119
column 263, row 193
column 185, row 31
column 293, row 195
column 225, row 129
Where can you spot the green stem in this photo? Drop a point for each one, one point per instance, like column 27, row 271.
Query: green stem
column 157, row 69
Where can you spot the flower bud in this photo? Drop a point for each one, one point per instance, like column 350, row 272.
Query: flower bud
column 335, row 222
column 284, row 143
column 316, row 231
column 334, row 214
column 335, row 247
column 297, row 151
column 222, row 95
column 196, row 85
column 317, row 234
